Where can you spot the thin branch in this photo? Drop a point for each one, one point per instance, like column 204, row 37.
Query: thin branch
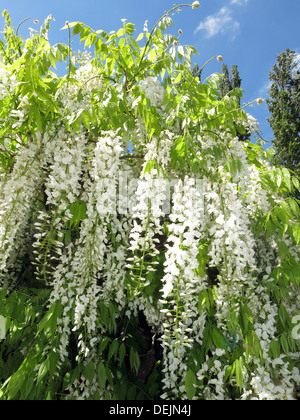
column 24, row 20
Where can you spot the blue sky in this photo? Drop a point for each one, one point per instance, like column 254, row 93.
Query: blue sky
column 249, row 33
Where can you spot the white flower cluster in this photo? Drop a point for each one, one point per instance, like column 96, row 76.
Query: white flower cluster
column 81, row 388
column 77, row 278
column 148, row 215
column 251, row 124
column 89, row 261
column 152, row 205
column 153, row 90
column 102, row 198
column 151, row 194
column 63, row 158
column 18, row 193
column 76, row 97
column 65, row 153
column 214, row 388
column 181, row 283
column 262, row 385
column 8, row 82
column 158, row 149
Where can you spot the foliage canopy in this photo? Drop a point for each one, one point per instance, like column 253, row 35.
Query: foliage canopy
column 145, row 252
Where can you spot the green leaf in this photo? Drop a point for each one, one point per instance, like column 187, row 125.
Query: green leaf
column 103, row 344
column 270, row 228
column 84, row 33
column 78, row 211
column 152, row 55
column 181, row 146
column 67, row 237
column 275, row 349
column 241, row 129
column 203, row 300
column 53, row 360
column 109, row 376
column 281, row 214
column 27, row 387
column 247, row 318
column 296, row 233
column 131, row 393
column 90, row 40
column 98, row 45
column 120, row 32
column 202, row 258
column 89, row 371
column 43, row 369
column 218, row 339
column 296, row 275
column 278, row 180
column 129, row 28
column 296, row 183
column 283, row 315
column 284, row 343
column 70, row 25
column 15, row 383
column 286, row 208
column 149, row 166
column 238, row 367
column 77, row 28
column 287, row 178
column 190, row 382
column 294, row 207
column 85, row 119
column 291, row 342
column 283, row 249
column 178, row 78
column 3, row 293
column 101, row 375
column 122, row 352
column 50, row 319
column 254, row 345
column 141, row 36
column 228, row 372
column 134, row 360
column 113, row 350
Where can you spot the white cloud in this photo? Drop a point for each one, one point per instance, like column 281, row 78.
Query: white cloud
column 220, row 23
column 264, row 90
column 239, row 2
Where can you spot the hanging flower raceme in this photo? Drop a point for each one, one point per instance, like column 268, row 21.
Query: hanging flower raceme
column 7, row 81
column 64, row 154
column 152, row 205
column 19, row 195
column 182, row 282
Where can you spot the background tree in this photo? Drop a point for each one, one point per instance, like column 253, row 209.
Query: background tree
column 284, row 107
column 225, row 85
column 229, row 84
column 197, row 72
column 236, row 81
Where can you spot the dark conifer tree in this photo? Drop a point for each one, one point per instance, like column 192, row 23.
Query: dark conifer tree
column 284, row 107
column 225, row 85
column 228, row 84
